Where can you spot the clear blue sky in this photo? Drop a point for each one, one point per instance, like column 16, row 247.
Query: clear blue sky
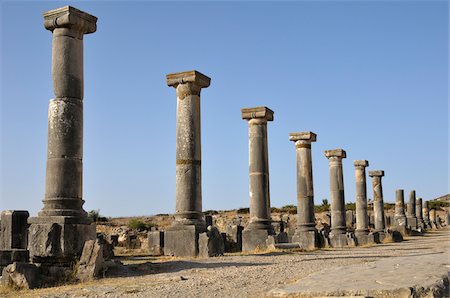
column 368, row 77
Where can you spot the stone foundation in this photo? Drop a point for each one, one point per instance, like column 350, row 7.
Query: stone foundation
column 308, row 240
column 366, row 239
column 181, row 241
column 56, row 240
column 254, row 239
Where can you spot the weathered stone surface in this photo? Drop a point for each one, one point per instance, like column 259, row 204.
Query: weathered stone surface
column 378, row 202
column 181, row 241
column 21, row 276
column 211, row 243
column 57, row 242
column 255, row 239
column 388, row 277
column 411, row 219
column 188, row 186
column 365, row 239
column 282, row 237
column 306, row 224
column 258, row 168
column 307, row 240
column 13, row 229
column 337, row 192
column 13, row 255
column 92, row 263
column 362, row 218
column 338, row 240
column 234, row 238
column 155, row 243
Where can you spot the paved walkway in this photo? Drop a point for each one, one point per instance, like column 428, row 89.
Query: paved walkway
column 424, row 274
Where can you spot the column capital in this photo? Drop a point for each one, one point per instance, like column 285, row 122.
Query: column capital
column 378, row 173
column 192, row 76
column 257, row 112
column 306, row 136
column 338, row 153
column 70, row 17
column 361, row 163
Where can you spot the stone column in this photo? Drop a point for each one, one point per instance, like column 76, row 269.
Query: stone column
column 399, row 216
column 62, row 215
column 306, row 232
column 426, row 215
column 419, row 216
column 259, row 226
column 362, row 218
column 182, row 238
column 378, row 204
column 433, row 222
column 338, row 227
column 411, row 219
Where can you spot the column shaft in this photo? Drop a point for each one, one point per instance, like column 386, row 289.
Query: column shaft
column 337, row 190
column 188, row 210
column 378, row 204
column 362, row 218
column 399, row 215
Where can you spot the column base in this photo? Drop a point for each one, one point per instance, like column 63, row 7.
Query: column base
column 363, row 237
column 255, row 239
column 181, row 241
column 411, row 223
column 58, row 239
column 13, row 255
column 402, row 229
column 341, row 240
column 308, row 240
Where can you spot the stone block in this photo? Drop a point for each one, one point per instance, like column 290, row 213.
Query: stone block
column 21, row 276
column 92, row 263
column 210, row 243
column 308, row 240
column 337, row 240
column 351, row 239
column 8, row 257
column 350, row 219
column 51, row 240
column 234, row 238
column 254, row 239
column 208, row 220
column 402, row 229
column 181, row 241
column 411, row 223
column 282, row 237
column 14, row 229
column 365, row 239
column 155, row 243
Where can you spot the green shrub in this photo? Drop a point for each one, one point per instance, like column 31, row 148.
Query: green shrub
column 291, row 209
column 350, row 206
column 437, row 204
column 243, row 210
column 139, row 225
column 96, row 217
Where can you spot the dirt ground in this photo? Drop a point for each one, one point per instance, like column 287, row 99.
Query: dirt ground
column 240, row 275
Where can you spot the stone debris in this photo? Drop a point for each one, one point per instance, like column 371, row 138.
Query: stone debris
column 21, row 276
column 92, row 262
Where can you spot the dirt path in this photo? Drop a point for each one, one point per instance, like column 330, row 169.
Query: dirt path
column 251, row 275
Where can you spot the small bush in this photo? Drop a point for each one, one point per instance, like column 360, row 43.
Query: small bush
column 210, row 212
column 96, row 217
column 139, row 225
column 243, row 210
column 350, row 206
column 291, row 209
column 437, row 204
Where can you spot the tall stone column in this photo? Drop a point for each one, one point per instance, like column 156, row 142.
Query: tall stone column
column 62, row 226
column 411, row 219
column 378, row 204
column 338, row 236
column 399, row 215
column 426, row 215
column 182, row 238
column 306, row 233
column 362, row 218
column 419, row 216
column 259, row 226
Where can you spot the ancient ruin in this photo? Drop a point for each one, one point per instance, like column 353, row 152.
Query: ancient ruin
column 58, row 233
column 259, row 227
column 411, row 219
column 338, row 234
column 362, row 219
column 306, row 233
column 182, row 238
column 378, row 204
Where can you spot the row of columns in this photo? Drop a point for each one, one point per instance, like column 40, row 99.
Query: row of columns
column 63, row 197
